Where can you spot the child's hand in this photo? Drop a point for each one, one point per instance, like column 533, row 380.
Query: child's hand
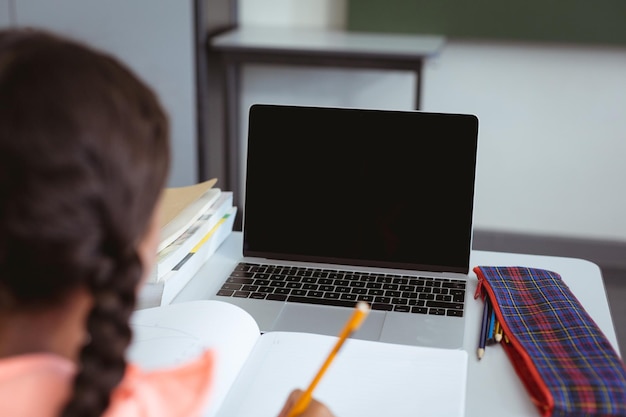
column 315, row 408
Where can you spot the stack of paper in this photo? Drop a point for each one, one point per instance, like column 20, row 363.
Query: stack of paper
column 195, row 220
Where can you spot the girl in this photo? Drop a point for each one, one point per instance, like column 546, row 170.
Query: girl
column 84, row 154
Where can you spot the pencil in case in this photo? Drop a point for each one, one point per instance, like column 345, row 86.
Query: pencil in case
column 564, row 360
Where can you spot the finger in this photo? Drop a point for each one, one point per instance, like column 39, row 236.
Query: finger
column 291, row 401
column 318, row 409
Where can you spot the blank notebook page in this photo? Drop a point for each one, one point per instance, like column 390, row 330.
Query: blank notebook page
column 366, row 378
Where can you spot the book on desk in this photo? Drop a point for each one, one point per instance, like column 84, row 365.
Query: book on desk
column 195, row 221
column 255, row 372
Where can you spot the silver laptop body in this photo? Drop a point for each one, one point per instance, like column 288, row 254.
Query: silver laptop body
column 385, row 193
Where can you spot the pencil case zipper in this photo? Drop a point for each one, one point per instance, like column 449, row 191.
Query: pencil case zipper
column 522, row 363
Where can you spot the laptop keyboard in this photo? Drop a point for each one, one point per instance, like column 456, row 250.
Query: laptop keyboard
column 389, row 292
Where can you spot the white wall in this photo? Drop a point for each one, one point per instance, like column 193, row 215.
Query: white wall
column 6, row 11
column 155, row 39
column 552, row 136
column 552, row 119
column 311, row 13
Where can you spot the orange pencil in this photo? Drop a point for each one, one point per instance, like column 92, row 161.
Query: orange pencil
column 360, row 312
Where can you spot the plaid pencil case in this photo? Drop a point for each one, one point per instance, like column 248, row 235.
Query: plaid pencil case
column 564, row 360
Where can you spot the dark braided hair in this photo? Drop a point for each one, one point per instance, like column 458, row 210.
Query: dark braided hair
column 84, row 155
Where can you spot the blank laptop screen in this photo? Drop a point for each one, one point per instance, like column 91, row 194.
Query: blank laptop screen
column 360, row 187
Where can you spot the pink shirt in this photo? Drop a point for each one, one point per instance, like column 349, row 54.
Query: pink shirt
column 38, row 385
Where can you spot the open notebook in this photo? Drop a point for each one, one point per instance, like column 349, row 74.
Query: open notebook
column 255, row 372
column 344, row 205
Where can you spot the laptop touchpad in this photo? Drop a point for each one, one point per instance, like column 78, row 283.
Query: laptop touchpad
column 326, row 320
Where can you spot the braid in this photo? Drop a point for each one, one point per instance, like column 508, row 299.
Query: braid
column 103, row 358
column 84, row 155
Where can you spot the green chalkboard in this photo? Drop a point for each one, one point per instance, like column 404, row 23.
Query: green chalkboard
column 571, row 21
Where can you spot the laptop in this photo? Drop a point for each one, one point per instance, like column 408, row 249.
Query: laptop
column 345, row 204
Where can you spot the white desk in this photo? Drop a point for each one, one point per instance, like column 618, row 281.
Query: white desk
column 493, row 388
column 305, row 47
